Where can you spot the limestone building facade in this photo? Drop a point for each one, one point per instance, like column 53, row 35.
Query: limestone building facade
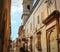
column 5, row 25
column 21, row 38
column 42, row 29
column 43, row 25
column 14, row 46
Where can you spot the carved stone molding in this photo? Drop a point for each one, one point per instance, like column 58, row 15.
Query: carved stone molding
column 54, row 15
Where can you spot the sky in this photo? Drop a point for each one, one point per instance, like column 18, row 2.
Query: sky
column 16, row 13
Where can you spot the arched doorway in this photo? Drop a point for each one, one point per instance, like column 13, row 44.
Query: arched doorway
column 52, row 45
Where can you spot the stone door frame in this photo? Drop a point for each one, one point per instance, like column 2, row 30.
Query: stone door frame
column 54, row 16
column 50, row 30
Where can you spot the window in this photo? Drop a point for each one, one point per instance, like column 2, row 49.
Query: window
column 30, row 27
column 27, row 31
column 38, row 44
column 49, row 3
column 38, row 20
column 42, row 16
column 28, row 7
column 33, row 23
column 59, row 21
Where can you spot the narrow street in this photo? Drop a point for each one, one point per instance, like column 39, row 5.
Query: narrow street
column 29, row 25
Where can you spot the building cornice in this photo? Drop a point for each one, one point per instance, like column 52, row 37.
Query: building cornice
column 22, row 15
column 54, row 15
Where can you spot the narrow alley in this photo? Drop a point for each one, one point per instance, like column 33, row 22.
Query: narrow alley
column 29, row 25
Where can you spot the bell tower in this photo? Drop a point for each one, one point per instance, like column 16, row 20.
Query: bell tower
column 27, row 6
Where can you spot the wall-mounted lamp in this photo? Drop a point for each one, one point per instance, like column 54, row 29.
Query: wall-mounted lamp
column 58, row 39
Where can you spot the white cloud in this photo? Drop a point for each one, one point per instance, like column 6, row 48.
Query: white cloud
column 18, row 1
column 15, row 8
column 13, row 21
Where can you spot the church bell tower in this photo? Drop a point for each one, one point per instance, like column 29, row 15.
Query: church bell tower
column 27, row 6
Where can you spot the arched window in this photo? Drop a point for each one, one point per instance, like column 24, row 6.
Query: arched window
column 28, row 7
column 38, row 44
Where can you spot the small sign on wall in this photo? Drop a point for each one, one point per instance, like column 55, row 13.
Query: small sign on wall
column 59, row 47
column 59, row 21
